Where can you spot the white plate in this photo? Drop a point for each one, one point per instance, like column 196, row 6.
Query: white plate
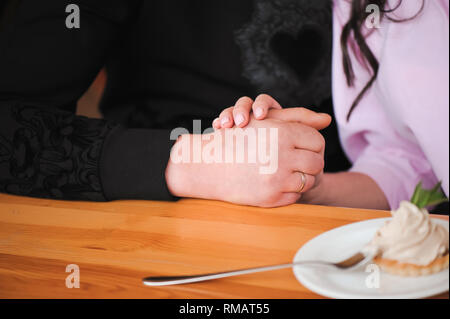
column 340, row 243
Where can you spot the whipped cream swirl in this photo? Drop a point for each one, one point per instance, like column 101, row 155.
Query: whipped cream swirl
column 410, row 237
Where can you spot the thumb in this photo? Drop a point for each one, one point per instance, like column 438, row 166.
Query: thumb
column 319, row 121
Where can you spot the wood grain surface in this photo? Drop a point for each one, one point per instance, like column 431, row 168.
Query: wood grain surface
column 118, row 243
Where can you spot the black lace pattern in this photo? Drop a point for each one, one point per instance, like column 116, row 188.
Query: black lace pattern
column 286, row 50
column 52, row 154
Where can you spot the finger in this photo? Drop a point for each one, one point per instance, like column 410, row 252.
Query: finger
column 262, row 105
column 303, row 115
column 226, row 118
column 307, row 162
column 216, row 124
column 294, row 183
column 306, row 137
column 241, row 111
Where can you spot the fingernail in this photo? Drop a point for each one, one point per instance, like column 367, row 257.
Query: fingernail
column 215, row 123
column 225, row 120
column 239, row 119
column 258, row 112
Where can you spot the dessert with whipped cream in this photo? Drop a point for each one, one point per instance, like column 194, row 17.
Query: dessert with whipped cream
column 411, row 244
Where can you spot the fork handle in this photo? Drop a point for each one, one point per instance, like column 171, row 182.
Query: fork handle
column 177, row 280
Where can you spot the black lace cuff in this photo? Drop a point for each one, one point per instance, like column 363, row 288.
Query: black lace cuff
column 46, row 152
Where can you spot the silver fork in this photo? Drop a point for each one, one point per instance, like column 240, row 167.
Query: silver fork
column 347, row 264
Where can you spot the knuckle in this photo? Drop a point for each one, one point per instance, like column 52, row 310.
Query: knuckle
column 262, row 100
column 312, row 165
column 321, row 141
column 317, row 139
column 318, row 166
column 227, row 111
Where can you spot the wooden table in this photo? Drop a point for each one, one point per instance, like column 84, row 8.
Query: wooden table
column 116, row 244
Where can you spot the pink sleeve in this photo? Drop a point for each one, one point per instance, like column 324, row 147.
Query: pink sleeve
column 398, row 134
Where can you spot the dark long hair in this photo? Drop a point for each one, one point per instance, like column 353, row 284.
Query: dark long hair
column 354, row 28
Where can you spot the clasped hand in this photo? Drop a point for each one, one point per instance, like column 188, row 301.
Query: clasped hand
column 300, row 149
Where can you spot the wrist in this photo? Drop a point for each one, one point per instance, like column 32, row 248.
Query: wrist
column 177, row 173
column 188, row 178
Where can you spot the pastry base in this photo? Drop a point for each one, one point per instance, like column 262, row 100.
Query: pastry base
column 410, row 270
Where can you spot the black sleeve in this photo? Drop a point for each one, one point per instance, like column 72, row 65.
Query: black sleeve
column 45, row 149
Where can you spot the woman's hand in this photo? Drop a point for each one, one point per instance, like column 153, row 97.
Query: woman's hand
column 265, row 106
column 299, row 148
